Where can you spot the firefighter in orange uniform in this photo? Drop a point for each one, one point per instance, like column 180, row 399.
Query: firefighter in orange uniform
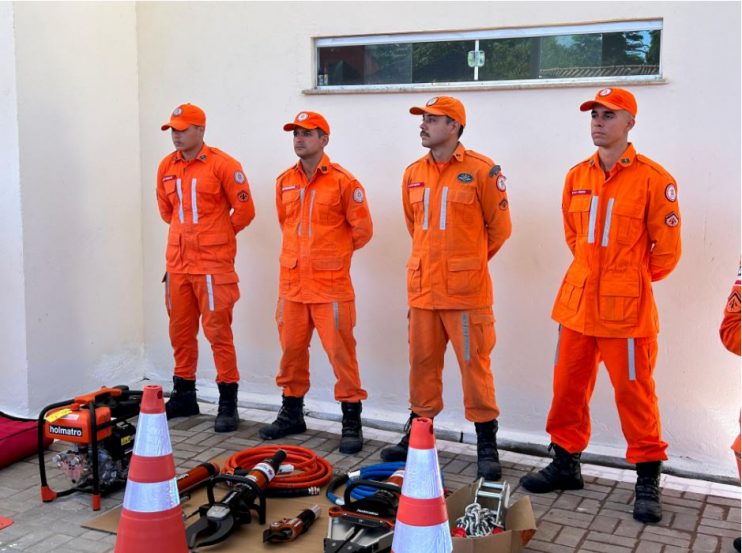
column 622, row 225
column 204, row 196
column 324, row 218
column 730, row 337
column 457, row 213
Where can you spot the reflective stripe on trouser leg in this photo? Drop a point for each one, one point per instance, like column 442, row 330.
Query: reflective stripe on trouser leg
column 194, row 204
column 444, row 199
column 632, row 358
column 167, row 293
column 591, row 221
column 340, row 345
column 607, row 226
column 559, row 339
column 210, row 292
column 426, row 206
column 280, row 310
column 179, row 189
column 465, row 334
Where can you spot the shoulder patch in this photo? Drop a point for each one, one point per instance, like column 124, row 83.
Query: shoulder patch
column 495, row 171
column 503, row 205
column 239, row 177
column 672, row 219
column 671, row 193
column 733, row 302
column 358, row 195
column 501, row 183
column 243, row 196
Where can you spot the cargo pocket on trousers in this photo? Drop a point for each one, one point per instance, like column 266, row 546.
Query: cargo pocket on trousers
column 414, row 275
column 226, row 290
column 463, row 275
column 619, row 299
column 482, row 331
column 572, row 287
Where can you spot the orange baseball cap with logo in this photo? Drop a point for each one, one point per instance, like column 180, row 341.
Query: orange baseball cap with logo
column 308, row 120
column 443, row 105
column 612, row 98
column 184, row 116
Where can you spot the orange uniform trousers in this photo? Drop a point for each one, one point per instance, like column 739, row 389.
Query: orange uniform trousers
column 630, row 363
column 334, row 322
column 211, row 298
column 472, row 333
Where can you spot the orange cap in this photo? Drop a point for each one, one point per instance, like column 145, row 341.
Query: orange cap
column 184, row 116
column 612, row 98
column 308, row 120
column 443, row 105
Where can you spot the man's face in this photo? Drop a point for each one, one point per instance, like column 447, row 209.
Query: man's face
column 436, row 130
column 189, row 139
column 307, row 143
column 608, row 127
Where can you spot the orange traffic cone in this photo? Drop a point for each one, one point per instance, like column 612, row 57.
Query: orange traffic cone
column 151, row 519
column 422, row 519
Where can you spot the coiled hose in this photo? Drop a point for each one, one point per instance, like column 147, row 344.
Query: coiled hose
column 310, row 473
column 379, row 472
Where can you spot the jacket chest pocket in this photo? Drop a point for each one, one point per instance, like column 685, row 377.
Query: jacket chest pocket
column 579, row 211
column 205, row 195
column 461, row 206
column 327, row 209
column 291, row 202
column 419, row 198
column 629, row 222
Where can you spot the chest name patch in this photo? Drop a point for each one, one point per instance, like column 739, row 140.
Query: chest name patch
column 290, row 187
column 581, row 192
column 168, row 177
column 415, row 184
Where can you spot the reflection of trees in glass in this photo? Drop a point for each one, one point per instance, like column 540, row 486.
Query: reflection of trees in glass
column 653, row 52
column 434, row 62
column 570, row 51
column 388, row 63
column 508, row 59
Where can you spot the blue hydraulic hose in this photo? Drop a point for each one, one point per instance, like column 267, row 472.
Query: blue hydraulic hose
column 379, row 472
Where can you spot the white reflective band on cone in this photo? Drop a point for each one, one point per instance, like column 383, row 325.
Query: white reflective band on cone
column 421, row 539
column 422, row 479
column 151, row 498
column 157, row 444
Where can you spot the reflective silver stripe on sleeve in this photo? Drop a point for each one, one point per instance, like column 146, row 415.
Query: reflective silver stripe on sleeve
column 210, row 292
column 311, row 205
column 167, row 291
column 465, row 332
column 591, row 222
column 426, row 206
column 632, row 359
column 194, row 204
column 179, row 188
column 559, row 339
column 607, row 228
column 280, row 310
column 301, row 209
column 336, row 314
column 444, row 199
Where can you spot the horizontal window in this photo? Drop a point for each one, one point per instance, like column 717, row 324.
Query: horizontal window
column 574, row 52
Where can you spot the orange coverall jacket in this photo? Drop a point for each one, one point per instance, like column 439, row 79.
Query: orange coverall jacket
column 730, row 325
column 323, row 221
column 195, row 198
column 624, row 233
column 458, row 217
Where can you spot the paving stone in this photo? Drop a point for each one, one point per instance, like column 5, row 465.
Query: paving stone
column 604, row 547
column 705, row 544
column 570, row 536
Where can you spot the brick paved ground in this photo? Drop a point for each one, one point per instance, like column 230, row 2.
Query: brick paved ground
column 699, row 516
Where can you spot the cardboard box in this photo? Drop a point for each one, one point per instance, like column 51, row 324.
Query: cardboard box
column 520, row 524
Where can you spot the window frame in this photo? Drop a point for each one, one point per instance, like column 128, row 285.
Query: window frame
column 614, row 26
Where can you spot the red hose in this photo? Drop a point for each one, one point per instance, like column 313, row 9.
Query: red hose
column 309, row 469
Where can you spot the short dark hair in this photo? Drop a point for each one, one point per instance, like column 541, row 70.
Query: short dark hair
column 321, row 133
column 461, row 128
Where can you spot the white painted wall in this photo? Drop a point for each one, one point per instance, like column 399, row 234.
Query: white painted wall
column 246, row 65
column 77, row 108
column 13, row 382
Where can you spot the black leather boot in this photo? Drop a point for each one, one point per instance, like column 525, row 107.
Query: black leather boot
column 351, row 440
column 647, row 505
column 290, row 420
column 182, row 402
column 562, row 474
column 488, row 460
column 737, row 543
column 227, row 418
column 399, row 452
